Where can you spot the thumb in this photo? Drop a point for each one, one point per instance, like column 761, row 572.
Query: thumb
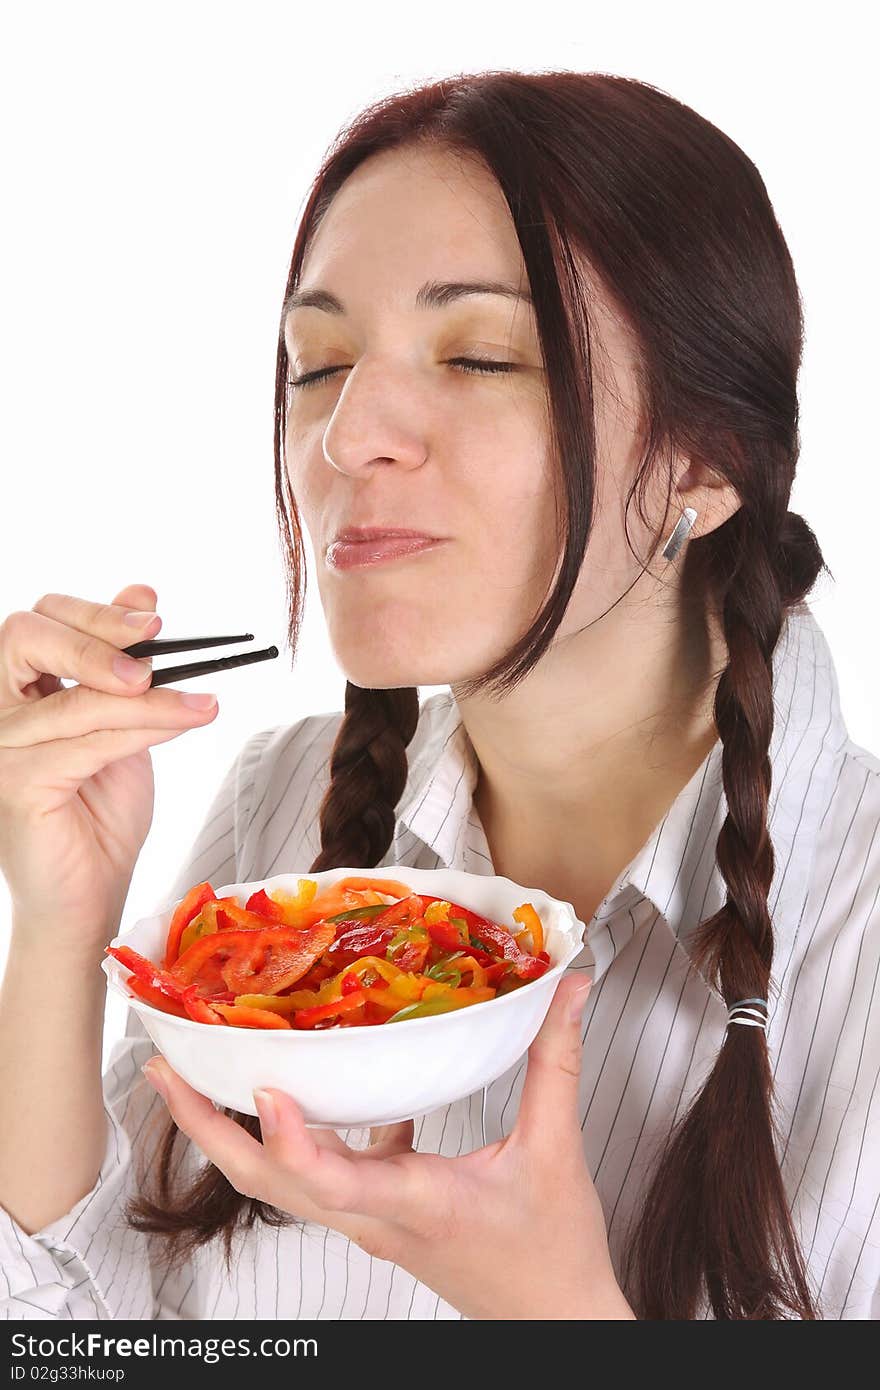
column 142, row 596
column 549, row 1106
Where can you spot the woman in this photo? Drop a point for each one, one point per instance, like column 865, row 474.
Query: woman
column 518, row 304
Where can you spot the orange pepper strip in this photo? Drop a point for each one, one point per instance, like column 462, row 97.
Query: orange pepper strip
column 529, row 917
column 250, row 1018
column 376, row 885
column 307, row 1018
column 328, row 904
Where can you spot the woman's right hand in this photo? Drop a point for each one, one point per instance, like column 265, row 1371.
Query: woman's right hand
column 76, row 779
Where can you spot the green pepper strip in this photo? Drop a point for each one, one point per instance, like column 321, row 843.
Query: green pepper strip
column 440, row 1004
column 370, row 910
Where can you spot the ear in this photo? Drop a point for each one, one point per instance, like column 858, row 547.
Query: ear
column 712, row 497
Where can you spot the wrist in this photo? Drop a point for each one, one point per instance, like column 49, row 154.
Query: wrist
column 601, row 1301
column 35, row 948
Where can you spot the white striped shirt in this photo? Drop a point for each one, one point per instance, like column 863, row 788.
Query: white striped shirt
column 651, row 1030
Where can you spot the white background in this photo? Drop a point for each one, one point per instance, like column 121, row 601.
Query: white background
column 156, row 161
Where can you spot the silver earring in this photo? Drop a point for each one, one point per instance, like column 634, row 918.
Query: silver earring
column 679, row 535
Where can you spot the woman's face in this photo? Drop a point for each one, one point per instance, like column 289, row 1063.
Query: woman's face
column 399, row 435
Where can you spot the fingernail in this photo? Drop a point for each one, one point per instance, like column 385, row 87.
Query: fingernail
column 131, row 671
column 197, row 701
column 154, row 1076
column 268, row 1114
column 578, row 1000
column 139, row 619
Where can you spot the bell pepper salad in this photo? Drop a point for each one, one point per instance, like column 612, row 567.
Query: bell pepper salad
column 362, row 952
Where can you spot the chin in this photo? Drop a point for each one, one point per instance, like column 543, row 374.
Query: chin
column 379, row 671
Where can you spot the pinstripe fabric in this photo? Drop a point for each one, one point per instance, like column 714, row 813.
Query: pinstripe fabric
column 652, row 1027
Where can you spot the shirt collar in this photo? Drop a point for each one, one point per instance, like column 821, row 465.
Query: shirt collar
column 675, row 870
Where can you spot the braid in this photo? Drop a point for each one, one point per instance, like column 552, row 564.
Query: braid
column 368, row 771
column 702, row 1220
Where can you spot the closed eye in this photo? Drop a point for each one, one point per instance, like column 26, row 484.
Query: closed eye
column 464, row 364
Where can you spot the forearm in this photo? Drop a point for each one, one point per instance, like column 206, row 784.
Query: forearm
column 51, row 1095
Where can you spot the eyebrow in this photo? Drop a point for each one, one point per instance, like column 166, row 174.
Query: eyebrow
column 434, row 294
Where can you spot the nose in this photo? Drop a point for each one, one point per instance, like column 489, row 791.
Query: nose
column 373, row 422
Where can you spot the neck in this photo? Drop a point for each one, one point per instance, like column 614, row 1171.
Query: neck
column 579, row 764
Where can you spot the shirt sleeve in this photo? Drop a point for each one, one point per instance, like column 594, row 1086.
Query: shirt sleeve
column 89, row 1263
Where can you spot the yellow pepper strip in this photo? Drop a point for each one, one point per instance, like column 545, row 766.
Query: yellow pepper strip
column 530, row 919
column 203, row 924
column 408, row 987
column 437, row 911
column 478, row 971
column 434, row 988
column 458, row 998
column 306, row 890
column 390, row 999
column 332, row 987
column 385, row 998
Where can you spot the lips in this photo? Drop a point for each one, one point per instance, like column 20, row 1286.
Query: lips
column 353, row 534
column 347, row 554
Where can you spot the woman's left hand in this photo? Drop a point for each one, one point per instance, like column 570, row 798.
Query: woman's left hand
column 514, row 1230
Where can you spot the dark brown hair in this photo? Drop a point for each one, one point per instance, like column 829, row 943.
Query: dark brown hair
column 675, row 222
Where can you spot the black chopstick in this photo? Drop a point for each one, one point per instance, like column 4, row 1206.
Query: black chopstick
column 160, row 646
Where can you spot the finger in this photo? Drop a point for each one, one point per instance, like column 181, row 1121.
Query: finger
column 350, row 1182
column 40, row 649
column 548, row 1111
column 133, row 598
column 220, row 1138
column 80, row 712
column 34, row 665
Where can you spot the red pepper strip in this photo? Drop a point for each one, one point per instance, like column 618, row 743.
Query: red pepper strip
column 357, row 941
column 183, row 914
column 482, row 956
column 256, row 962
column 234, row 918
column 350, row 983
column 161, row 1001
column 151, row 974
column 446, row 935
column 527, row 967
column 413, row 957
column 496, row 972
column 314, row 977
column 261, row 903
column 307, row 1018
column 376, row 1013
column 406, row 910
column 243, row 1017
column 198, row 1008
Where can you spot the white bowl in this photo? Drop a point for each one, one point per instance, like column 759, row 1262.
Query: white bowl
column 351, row 1077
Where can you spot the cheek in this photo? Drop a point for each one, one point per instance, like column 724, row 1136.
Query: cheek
column 310, row 478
